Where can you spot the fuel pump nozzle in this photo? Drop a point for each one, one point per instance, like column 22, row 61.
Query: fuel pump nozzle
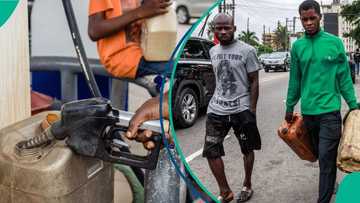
column 93, row 128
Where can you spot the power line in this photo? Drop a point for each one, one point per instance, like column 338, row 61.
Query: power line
column 274, row 7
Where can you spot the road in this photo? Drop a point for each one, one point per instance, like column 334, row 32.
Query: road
column 279, row 176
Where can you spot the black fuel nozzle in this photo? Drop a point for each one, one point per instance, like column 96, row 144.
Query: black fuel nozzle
column 92, row 128
column 117, row 150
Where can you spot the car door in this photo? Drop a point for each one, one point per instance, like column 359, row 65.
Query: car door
column 208, row 72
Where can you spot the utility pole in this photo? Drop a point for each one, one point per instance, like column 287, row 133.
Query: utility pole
column 264, row 29
column 294, row 24
column 248, row 24
column 220, row 7
column 286, row 24
column 233, row 9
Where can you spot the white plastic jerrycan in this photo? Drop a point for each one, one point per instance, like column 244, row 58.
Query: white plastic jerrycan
column 159, row 34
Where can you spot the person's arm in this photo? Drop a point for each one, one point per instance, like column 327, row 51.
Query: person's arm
column 150, row 110
column 344, row 79
column 99, row 27
column 254, row 90
column 252, row 68
column 293, row 94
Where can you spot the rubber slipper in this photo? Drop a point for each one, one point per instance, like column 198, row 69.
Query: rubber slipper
column 226, row 198
column 245, row 194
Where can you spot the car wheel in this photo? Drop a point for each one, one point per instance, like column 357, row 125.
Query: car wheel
column 266, row 70
column 187, row 108
column 182, row 15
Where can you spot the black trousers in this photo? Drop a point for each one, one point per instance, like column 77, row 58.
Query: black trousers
column 325, row 130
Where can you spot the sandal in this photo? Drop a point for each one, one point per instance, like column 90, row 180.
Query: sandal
column 226, row 198
column 245, row 194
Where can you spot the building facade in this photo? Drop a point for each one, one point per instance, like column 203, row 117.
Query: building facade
column 269, row 39
column 333, row 23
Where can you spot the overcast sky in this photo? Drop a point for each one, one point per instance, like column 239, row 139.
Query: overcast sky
column 268, row 13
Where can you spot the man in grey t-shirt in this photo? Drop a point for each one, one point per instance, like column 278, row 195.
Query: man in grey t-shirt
column 231, row 64
column 233, row 105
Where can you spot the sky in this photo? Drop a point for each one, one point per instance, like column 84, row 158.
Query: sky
column 268, row 13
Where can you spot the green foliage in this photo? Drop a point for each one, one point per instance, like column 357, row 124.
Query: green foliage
column 210, row 31
column 351, row 13
column 261, row 49
column 249, row 38
column 282, row 38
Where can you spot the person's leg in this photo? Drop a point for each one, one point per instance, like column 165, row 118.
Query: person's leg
column 247, row 133
column 248, row 166
column 312, row 126
column 329, row 137
column 217, row 128
column 218, row 170
column 357, row 68
column 154, row 68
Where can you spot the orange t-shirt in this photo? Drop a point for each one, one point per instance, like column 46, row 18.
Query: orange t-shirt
column 121, row 52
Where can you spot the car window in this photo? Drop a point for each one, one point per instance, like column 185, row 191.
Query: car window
column 207, row 46
column 277, row 55
column 194, row 50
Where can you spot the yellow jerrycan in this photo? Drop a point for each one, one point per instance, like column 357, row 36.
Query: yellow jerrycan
column 50, row 173
column 158, row 36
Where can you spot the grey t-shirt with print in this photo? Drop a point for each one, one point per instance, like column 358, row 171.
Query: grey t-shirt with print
column 231, row 65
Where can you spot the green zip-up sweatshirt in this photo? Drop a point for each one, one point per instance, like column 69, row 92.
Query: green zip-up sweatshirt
column 319, row 75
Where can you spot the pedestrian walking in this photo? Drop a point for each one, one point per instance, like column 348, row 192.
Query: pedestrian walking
column 319, row 76
column 357, row 61
column 233, row 105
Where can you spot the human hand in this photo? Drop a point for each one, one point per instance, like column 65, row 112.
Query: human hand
column 145, row 137
column 289, row 117
column 151, row 8
column 348, row 112
column 150, row 110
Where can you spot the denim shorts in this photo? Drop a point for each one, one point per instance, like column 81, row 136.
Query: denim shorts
column 154, row 68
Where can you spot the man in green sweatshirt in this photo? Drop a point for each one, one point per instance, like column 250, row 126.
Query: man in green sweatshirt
column 319, row 76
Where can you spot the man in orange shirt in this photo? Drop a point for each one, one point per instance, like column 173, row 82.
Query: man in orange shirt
column 116, row 26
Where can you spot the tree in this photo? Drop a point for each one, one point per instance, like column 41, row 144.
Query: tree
column 351, row 13
column 249, row 37
column 210, row 31
column 261, row 49
column 282, row 37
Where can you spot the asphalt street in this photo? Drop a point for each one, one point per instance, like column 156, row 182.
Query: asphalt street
column 279, row 175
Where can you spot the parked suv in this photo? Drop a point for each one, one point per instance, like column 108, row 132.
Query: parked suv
column 277, row 61
column 195, row 82
column 187, row 9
